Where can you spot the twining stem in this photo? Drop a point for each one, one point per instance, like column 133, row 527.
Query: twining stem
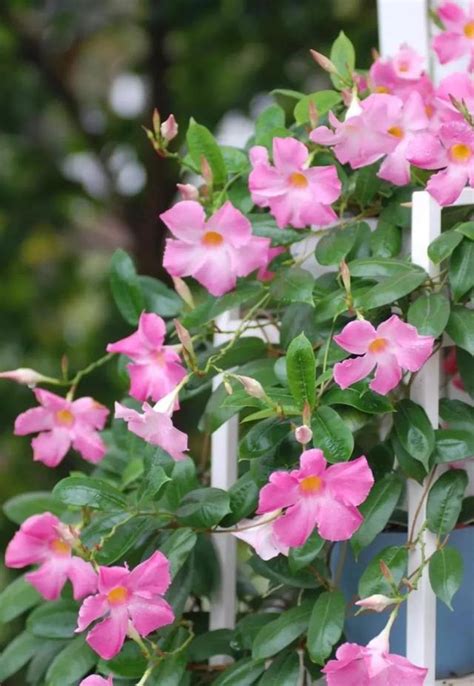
column 426, row 489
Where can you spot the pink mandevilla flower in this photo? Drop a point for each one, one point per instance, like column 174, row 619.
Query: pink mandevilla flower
column 459, row 87
column 391, row 348
column 372, row 665
column 215, row 251
column 44, row 540
column 155, row 427
column 129, row 601
column 155, row 368
column 401, row 75
column 260, row 534
column 297, row 195
column 63, row 423
column 96, row 680
column 317, row 495
column 458, row 39
column 452, row 152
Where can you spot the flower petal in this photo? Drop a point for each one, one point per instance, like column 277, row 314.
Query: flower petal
column 92, row 608
column 107, row 637
column 82, row 576
column 299, row 521
column 282, row 491
column 350, row 482
column 356, row 337
column 185, row 220
column 149, row 614
column 50, row 578
column 32, row 421
column 350, row 371
column 387, row 374
column 151, row 575
column 50, row 447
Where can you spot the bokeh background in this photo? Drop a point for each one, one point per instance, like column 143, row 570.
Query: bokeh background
column 78, row 80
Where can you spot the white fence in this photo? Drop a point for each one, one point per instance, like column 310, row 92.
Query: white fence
column 400, row 21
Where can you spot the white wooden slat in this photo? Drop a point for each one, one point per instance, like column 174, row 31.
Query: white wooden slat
column 403, row 21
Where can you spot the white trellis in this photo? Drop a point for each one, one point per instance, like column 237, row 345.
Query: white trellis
column 400, row 21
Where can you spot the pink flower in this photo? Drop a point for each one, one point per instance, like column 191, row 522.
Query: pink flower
column 169, row 129
column 401, row 75
column 458, row 39
column 215, row 251
column 129, row 601
column 155, row 427
column 96, row 680
column 24, row 375
column 156, row 368
column 297, row 195
column 61, row 424
column 376, row 602
column 317, row 495
column 460, row 87
column 372, row 665
column 260, row 534
column 453, row 153
column 44, row 540
column 392, row 348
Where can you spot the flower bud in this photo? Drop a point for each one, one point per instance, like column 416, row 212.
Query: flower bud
column 303, row 434
column 313, row 114
column 183, row 291
column 188, row 191
column 345, row 276
column 24, row 375
column 252, row 386
column 377, row 602
column 169, row 129
column 324, row 62
column 206, row 172
column 184, row 337
column 156, row 121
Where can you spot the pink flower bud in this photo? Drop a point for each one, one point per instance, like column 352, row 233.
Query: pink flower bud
column 324, row 62
column 183, row 291
column 303, row 434
column 156, row 120
column 169, row 129
column 377, row 602
column 252, row 386
column 206, row 171
column 184, row 337
column 23, row 375
column 188, row 191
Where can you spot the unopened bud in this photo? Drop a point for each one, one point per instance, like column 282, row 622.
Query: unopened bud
column 377, row 602
column 184, row 337
column 206, row 171
column 324, row 62
column 182, row 289
column 228, row 388
column 25, row 376
column 169, row 129
column 156, row 120
column 252, row 386
column 188, row 191
column 345, row 276
column 385, row 570
column 313, row 114
column 303, row 434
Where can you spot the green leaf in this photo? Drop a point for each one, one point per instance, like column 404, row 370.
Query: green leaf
column 278, row 570
column 367, row 183
column 128, row 535
column 430, row 314
column 16, row 598
column 263, row 438
column 159, row 298
column 201, row 143
column 323, row 101
column 446, row 572
column 301, row 557
column 331, row 435
column 71, row 664
column 467, row 511
column 264, row 225
column 272, row 117
column 409, row 466
column 381, row 268
column 461, row 327
column 277, row 635
column 457, row 414
column 343, row 57
column 373, row 581
column 386, row 240
column 284, row 671
column 466, row 370
column 18, row 653
column 210, row 643
column 170, row 670
column 245, row 672
column 467, row 229
column 453, row 445
column 461, row 272
column 293, row 285
column 243, row 496
column 212, row 307
column 81, row 491
column 249, row 626
column 236, row 160
column 414, row 431
column 125, row 287
column 335, row 244
column 391, row 289
column 376, row 510
column 22, row 506
column 445, row 501
column 325, row 625
column 443, row 246
column 362, row 399
column 56, row 619
column 177, row 548
column 301, row 371
column 204, row 507
column 129, row 663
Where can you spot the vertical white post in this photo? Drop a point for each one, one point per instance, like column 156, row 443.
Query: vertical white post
column 403, row 21
column 421, row 606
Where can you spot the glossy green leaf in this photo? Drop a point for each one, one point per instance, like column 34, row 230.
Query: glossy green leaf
column 367, row 183
column 18, row 653
column 202, row 144
column 373, row 581
column 412, row 468
column 391, row 289
column 129, row 663
column 210, row 643
column 301, row 557
column 322, row 101
column 466, row 370
column 277, row 635
column 124, row 538
column 243, row 495
column 293, row 285
column 386, row 240
column 325, row 625
column 204, row 507
column 443, row 246
column 376, row 510
column 284, row 671
column 212, row 307
column 461, row 327
column 278, row 570
column 56, row 619
column 381, row 268
column 445, row 501
column 71, row 664
column 466, row 229
column 22, row 506
column 264, row 225
column 125, row 287
column 461, row 272
column 362, row 399
column 245, row 672
column 343, row 57
column 446, row 572
column 414, row 431
column 301, row 371
column 331, row 435
column 81, row 491
column 430, row 314
column 453, row 445
column 159, row 298
column 16, row 598
column 335, row 244
column 177, row 548
column 272, row 117
column 263, row 438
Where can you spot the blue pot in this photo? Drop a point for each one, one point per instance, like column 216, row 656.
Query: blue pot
column 454, row 629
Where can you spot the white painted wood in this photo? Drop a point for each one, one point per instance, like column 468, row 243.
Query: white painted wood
column 403, row 21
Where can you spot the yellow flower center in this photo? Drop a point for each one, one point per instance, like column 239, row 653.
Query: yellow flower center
column 117, row 595
column 469, row 30
column 65, row 417
column 382, row 89
column 212, row 239
column 403, row 67
column 311, row 484
column 60, row 547
column 460, row 152
column 429, row 109
column 378, row 345
column 396, row 131
column 298, row 180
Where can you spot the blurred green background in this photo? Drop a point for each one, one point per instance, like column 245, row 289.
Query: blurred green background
column 78, row 79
